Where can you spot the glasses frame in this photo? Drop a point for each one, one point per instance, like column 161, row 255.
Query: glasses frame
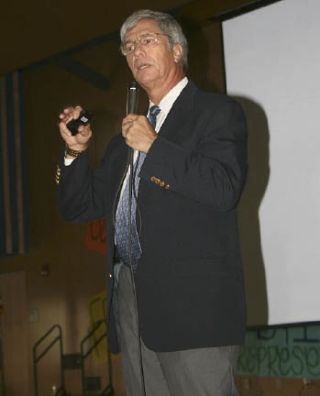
column 138, row 42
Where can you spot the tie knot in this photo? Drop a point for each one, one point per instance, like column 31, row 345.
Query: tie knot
column 153, row 112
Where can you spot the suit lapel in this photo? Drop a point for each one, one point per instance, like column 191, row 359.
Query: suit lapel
column 177, row 120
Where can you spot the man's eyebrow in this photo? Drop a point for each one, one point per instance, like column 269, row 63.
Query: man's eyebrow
column 141, row 34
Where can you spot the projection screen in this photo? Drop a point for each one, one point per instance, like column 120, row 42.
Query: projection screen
column 272, row 59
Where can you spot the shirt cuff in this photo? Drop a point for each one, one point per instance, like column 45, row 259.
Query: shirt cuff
column 68, row 161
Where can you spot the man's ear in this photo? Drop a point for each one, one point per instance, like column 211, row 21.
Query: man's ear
column 177, row 52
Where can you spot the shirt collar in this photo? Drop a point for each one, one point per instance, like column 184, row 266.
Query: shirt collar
column 168, row 100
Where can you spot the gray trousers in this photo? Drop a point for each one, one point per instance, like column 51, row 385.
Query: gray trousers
column 194, row 372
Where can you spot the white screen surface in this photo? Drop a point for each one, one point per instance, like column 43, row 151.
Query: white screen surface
column 272, row 58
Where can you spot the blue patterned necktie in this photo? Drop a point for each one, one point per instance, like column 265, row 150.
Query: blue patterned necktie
column 122, row 215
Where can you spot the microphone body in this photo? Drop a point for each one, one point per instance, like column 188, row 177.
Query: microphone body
column 132, row 105
column 132, row 97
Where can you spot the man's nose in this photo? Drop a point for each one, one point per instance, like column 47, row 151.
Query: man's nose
column 138, row 49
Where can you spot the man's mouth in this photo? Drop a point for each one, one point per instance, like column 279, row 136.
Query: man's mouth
column 142, row 66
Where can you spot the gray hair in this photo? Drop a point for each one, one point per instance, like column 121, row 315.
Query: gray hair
column 168, row 26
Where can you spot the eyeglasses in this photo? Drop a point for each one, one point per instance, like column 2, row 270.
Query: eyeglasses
column 145, row 40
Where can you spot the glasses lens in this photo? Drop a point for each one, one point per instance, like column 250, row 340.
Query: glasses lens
column 148, row 39
column 128, row 47
column 145, row 40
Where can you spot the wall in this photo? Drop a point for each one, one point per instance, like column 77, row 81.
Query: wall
column 14, row 332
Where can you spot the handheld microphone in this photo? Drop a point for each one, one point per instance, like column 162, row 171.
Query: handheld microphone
column 132, row 97
column 132, row 105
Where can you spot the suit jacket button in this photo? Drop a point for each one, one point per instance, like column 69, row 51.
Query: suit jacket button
column 58, row 174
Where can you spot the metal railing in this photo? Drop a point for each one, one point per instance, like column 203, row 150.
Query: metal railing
column 37, row 357
column 61, row 391
column 108, row 390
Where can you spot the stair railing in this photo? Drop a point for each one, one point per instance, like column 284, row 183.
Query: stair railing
column 108, row 390
column 38, row 356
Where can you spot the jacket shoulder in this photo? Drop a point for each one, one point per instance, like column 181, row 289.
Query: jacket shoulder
column 208, row 100
column 220, row 100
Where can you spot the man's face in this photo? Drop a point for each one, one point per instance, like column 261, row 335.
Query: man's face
column 154, row 65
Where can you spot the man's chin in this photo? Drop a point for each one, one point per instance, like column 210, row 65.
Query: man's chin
column 144, row 77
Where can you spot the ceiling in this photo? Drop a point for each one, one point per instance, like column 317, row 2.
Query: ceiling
column 33, row 30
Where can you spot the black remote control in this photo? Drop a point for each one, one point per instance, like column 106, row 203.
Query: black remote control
column 84, row 119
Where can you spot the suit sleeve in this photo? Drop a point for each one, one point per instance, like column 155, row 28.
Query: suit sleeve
column 81, row 193
column 211, row 172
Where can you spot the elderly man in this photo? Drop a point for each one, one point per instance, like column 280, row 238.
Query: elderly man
column 180, row 292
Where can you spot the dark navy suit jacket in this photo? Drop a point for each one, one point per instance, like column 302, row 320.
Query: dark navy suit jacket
column 189, row 279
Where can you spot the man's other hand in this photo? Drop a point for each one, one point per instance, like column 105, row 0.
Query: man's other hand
column 138, row 133
column 79, row 141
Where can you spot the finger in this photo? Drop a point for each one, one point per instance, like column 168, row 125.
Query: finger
column 125, row 132
column 127, row 125
column 68, row 110
column 71, row 112
column 76, row 112
column 84, row 130
column 130, row 117
column 66, row 115
column 64, row 130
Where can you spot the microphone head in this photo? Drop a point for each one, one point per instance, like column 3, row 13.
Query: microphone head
column 133, row 85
